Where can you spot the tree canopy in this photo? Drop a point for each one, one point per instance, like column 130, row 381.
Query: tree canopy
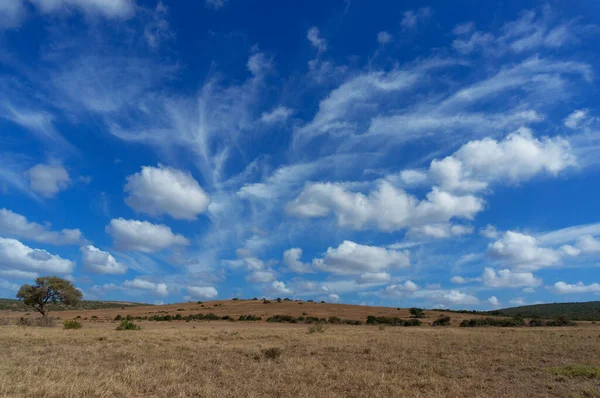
column 49, row 290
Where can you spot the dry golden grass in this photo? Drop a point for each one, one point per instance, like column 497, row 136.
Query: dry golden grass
column 222, row 359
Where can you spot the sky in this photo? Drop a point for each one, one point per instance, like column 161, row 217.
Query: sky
column 412, row 153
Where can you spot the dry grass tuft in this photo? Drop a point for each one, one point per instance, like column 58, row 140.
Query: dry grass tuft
column 590, row 372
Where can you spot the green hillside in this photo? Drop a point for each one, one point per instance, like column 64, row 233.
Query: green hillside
column 16, row 305
column 585, row 311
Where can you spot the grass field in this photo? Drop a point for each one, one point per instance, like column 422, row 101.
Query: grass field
column 241, row 359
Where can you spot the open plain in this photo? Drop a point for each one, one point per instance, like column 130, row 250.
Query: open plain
column 259, row 359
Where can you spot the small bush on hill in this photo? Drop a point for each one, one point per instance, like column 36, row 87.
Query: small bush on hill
column 417, row 312
column 127, row 325
column 506, row 322
column 118, row 318
column 442, row 321
column 392, row 321
column 71, row 324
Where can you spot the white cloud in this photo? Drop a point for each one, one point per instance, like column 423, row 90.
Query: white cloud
column 447, row 297
column 411, row 18
column 276, row 115
column 494, row 301
column 400, row 289
column 16, row 225
column 519, row 157
column 261, row 276
column 165, row 190
column 528, row 290
column 383, row 38
column 17, row 256
column 463, row 28
column 279, row 287
column 588, row 244
column 48, row 180
column 8, row 286
column 461, row 280
column 387, row 208
column 156, row 288
column 334, row 298
column 374, row 277
column 18, row 274
column 439, row 231
column 121, row 9
column 413, row 177
column 258, row 64
column 202, row 291
column 314, row 36
column 353, row 258
column 489, row 231
column 579, row 287
column 291, row 258
column 507, row 278
column 574, row 120
column 569, row 234
column 133, row 235
column 96, row 260
column 522, row 251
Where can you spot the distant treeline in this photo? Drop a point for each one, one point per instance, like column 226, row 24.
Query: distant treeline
column 17, row 305
column 585, row 311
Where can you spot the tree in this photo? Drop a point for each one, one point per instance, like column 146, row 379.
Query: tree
column 417, row 312
column 49, row 289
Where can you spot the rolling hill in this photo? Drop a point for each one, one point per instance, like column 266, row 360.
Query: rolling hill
column 584, row 311
column 17, row 305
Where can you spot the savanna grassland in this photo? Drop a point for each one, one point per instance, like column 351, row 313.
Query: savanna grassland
column 260, row 359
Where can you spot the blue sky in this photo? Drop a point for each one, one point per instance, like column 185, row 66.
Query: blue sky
column 387, row 153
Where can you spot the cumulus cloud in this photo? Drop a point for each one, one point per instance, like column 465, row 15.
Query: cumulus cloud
column 490, row 232
column 519, row 157
column 291, row 258
column 279, row 287
column 579, row 287
column 575, row 119
column 447, row 297
column 400, row 289
column 509, row 279
column 159, row 289
column 133, row 235
column 374, row 277
column 16, row 225
column 494, row 301
column 261, row 276
column 100, row 261
column 17, row 256
column 334, row 298
column 314, row 36
column 353, row 258
column 12, row 13
column 48, row 180
column 439, row 231
column 522, row 251
column 386, row 208
column 165, row 190
column 202, row 291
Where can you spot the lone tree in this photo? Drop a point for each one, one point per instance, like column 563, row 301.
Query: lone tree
column 48, row 289
column 417, row 312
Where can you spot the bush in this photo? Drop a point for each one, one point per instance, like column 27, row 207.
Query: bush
column 235, row 299
column 265, row 301
column 127, row 325
column 180, row 309
column 199, row 302
column 442, row 321
column 118, row 318
column 254, row 298
column 282, row 318
column 278, row 299
column 22, row 321
column 334, row 320
column 94, row 317
column 318, row 328
column 71, row 324
column 322, row 302
column 417, row 312
column 272, row 353
column 507, row 322
column 392, row 321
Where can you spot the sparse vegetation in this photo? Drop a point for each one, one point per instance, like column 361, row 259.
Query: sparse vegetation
column 71, row 324
column 127, row 325
column 442, row 321
column 417, row 312
column 272, row 353
column 317, row 328
column 392, row 321
column 501, row 322
column 584, row 371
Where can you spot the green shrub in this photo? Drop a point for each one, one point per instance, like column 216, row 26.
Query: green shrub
column 127, row 325
column 278, row 299
column 118, row 318
column 506, row 322
column 71, row 324
column 235, row 299
column 417, row 312
column 334, row 320
column 199, row 302
column 78, row 317
column 180, row 309
column 392, row 321
column 254, row 299
column 442, row 321
column 94, row 317
column 265, row 301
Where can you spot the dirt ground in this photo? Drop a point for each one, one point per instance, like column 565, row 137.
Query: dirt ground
column 240, row 359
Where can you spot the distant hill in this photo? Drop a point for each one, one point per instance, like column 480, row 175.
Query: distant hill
column 17, row 305
column 585, row 311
